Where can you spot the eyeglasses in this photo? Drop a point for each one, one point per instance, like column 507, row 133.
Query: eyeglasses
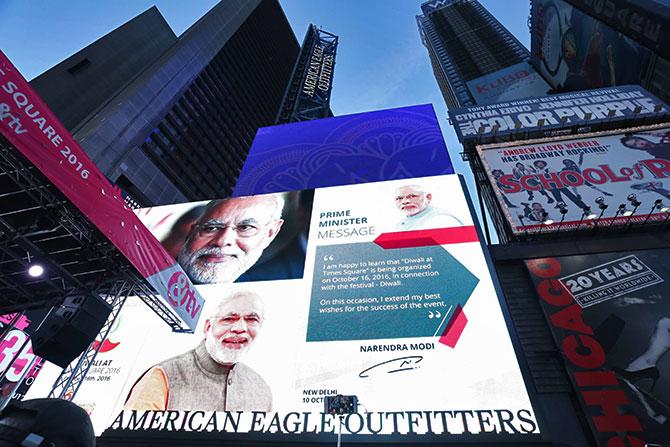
column 407, row 197
column 242, row 230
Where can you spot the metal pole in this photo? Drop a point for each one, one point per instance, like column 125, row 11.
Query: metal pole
column 339, row 433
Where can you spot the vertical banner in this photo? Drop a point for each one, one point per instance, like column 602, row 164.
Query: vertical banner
column 18, row 364
column 610, row 316
column 28, row 124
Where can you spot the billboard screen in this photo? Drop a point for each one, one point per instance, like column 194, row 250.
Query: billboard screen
column 646, row 21
column 396, row 306
column 609, row 316
column 363, row 147
column 564, row 114
column 532, row 181
column 574, row 51
column 514, row 82
column 30, row 126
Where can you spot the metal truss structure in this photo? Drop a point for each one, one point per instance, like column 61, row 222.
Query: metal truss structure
column 38, row 224
column 72, row 376
column 297, row 106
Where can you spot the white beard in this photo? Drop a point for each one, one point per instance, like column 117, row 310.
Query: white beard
column 216, row 272
column 221, row 354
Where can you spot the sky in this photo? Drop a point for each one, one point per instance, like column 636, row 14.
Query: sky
column 380, row 62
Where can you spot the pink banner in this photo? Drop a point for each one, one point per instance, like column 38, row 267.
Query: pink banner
column 28, row 123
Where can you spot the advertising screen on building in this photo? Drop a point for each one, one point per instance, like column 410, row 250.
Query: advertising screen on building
column 514, row 82
column 396, row 306
column 609, row 314
column 576, row 52
column 646, row 21
column 564, row 114
column 566, row 183
column 364, row 147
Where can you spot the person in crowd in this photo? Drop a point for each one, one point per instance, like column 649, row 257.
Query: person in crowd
column 45, row 422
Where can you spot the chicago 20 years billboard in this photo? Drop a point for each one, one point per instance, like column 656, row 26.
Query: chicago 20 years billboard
column 609, row 316
column 534, row 182
column 395, row 304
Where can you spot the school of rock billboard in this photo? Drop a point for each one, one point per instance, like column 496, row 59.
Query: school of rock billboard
column 393, row 302
column 533, row 181
column 610, row 318
column 574, row 51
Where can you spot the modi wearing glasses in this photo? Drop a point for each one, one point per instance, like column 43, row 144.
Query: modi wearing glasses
column 211, row 377
column 230, row 237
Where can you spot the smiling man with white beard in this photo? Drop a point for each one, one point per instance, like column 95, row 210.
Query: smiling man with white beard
column 211, row 377
column 230, row 237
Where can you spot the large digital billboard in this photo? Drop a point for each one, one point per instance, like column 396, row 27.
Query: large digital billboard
column 364, row 147
column 396, row 305
column 579, row 184
column 564, row 114
column 514, row 82
column 646, row 21
column 609, row 316
column 30, row 126
column 574, row 51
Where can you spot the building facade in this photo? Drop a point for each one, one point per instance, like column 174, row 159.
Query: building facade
column 465, row 42
column 170, row 119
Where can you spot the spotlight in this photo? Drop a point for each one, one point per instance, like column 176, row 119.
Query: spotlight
column 548, row 222
column 665, row 209
column 35, row 270
column 628, row 213
column 601, row 203
column 632, row 198
column 591, row 216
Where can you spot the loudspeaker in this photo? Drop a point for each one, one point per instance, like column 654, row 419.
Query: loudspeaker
column 70, row 328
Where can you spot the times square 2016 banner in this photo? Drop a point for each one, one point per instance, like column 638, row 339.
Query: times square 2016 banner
column 395, row 304
column 533, row 182
column 34, row 131
column 610, row 316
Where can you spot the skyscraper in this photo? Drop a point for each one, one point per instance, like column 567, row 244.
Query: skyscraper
column 170, row 119
column 465, row 42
